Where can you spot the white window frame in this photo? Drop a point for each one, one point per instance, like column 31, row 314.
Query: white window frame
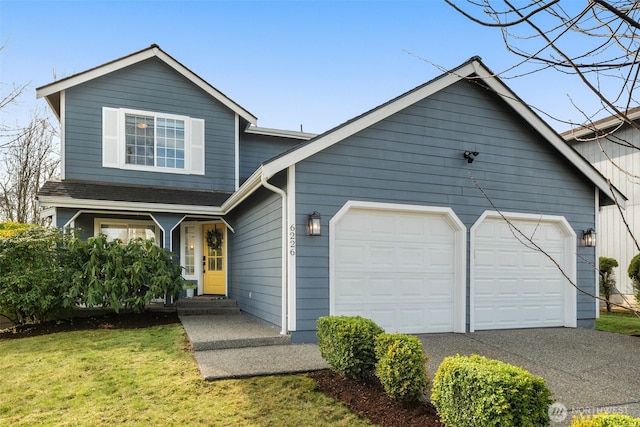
column 197, row 253
column 99, row 222
column 114, row 141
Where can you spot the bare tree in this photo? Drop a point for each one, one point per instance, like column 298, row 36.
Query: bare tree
column 596, row 42
column 29, row 160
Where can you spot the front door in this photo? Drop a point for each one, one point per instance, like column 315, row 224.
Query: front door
column 214, row 259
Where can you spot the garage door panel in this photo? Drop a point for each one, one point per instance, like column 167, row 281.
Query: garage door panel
column 404, row 264
column 515, row 286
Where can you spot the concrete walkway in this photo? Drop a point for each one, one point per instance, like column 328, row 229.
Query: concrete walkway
column 234, row 346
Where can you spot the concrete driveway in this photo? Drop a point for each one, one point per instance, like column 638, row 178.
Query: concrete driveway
column 587, row 370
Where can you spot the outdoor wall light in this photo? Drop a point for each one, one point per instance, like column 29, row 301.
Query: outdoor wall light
column 470, row 156
column 314, row 224
column 589, row 237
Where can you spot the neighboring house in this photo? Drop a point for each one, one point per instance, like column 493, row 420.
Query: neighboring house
column 611, row 145
column 408, row 232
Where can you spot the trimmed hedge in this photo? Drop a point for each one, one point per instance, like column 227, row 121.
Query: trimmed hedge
column 476, row 391
column 347, row 343
column 605, row 420
column 401, row 366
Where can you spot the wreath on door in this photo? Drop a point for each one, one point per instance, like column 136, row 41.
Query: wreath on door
column 214, row 239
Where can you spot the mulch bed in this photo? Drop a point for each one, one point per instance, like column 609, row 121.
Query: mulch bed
column 366, row 399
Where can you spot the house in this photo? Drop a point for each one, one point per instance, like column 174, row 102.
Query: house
column 407, row 214
column 611, row 145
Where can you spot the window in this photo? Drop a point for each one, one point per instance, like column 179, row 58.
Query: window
column 189, row 258
column 127, row 230
column 153, row 142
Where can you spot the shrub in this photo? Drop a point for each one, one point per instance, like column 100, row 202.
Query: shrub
column 111, row 274
column 401, row 366
column 476, row 391
column 634, row 275
column 347, row 343
column 605, row 420
column 34, row 274
column 607, row 279
column 8, row 229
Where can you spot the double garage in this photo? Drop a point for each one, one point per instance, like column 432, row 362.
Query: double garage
column 407, row 267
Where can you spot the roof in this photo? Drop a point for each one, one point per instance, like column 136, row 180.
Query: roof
column 125, row 197
column 473, row 68
column 52, row 90
column 600, row 125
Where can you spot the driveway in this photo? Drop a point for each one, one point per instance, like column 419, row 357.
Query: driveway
column 587, row 370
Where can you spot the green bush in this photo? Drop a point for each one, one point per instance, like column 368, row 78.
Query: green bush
column 607, row 279
column 34, row 274
column 401, row 366
column 111, row 274
column 634, row 275
column 476, row 391
column 605, row 420
column 347, row 343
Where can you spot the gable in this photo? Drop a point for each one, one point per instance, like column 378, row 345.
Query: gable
column 474, row 71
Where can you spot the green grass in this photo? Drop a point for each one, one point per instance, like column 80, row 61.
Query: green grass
column 145, row 377
column 619, row 322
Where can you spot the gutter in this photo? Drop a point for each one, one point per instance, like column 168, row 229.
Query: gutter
column 283, row 194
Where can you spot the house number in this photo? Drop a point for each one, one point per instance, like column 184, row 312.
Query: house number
column 292, row 239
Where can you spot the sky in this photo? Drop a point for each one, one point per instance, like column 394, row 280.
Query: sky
column 293, row 64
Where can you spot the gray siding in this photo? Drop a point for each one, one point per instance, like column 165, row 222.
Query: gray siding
column 255, row 149
column 416, row 157
column 255, row 257
column 152, row 86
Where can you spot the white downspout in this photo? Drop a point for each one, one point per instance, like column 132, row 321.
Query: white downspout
column 283, row 194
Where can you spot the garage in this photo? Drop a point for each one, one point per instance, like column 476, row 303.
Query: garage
column 514, row 285
column 400, row 265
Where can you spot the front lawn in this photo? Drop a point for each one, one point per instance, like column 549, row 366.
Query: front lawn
column 619, row 322
column 144, row 377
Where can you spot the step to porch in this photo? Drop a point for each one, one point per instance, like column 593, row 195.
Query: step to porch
column 217, row 323
column 206, row 305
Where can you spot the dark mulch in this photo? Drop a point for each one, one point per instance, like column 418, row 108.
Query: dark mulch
column 99, row 321
column 366, row 399
column 369, row 400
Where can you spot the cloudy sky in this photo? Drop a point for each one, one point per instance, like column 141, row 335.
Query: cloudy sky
column 290, row 63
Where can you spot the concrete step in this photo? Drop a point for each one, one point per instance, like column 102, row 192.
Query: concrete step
column 205, row 305
column 207, row 332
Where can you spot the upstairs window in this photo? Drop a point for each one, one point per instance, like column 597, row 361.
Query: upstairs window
column 152, row 141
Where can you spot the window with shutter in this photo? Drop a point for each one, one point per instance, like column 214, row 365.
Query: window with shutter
column 144, row 140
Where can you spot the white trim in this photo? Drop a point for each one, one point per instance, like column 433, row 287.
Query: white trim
column 570, row 296
column 63, row 123
column 89, row 204
column 246, row 189
column 256, row 130
column 150, row 52
column 591, row 128
column 292, row 251
column 596, row 270
column 460, row 236
column 236, row 166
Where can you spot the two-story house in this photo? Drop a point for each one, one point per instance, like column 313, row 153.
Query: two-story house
column 423, row 214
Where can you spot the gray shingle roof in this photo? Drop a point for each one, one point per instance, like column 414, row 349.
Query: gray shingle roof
column 131, row 193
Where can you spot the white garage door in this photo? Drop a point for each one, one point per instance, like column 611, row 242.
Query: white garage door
column 398, row 266
column 516, row 286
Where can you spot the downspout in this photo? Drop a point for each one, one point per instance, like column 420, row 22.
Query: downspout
column 283, row 194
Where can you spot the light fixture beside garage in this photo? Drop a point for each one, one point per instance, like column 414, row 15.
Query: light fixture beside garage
column 314, row 224
column 589, row 237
